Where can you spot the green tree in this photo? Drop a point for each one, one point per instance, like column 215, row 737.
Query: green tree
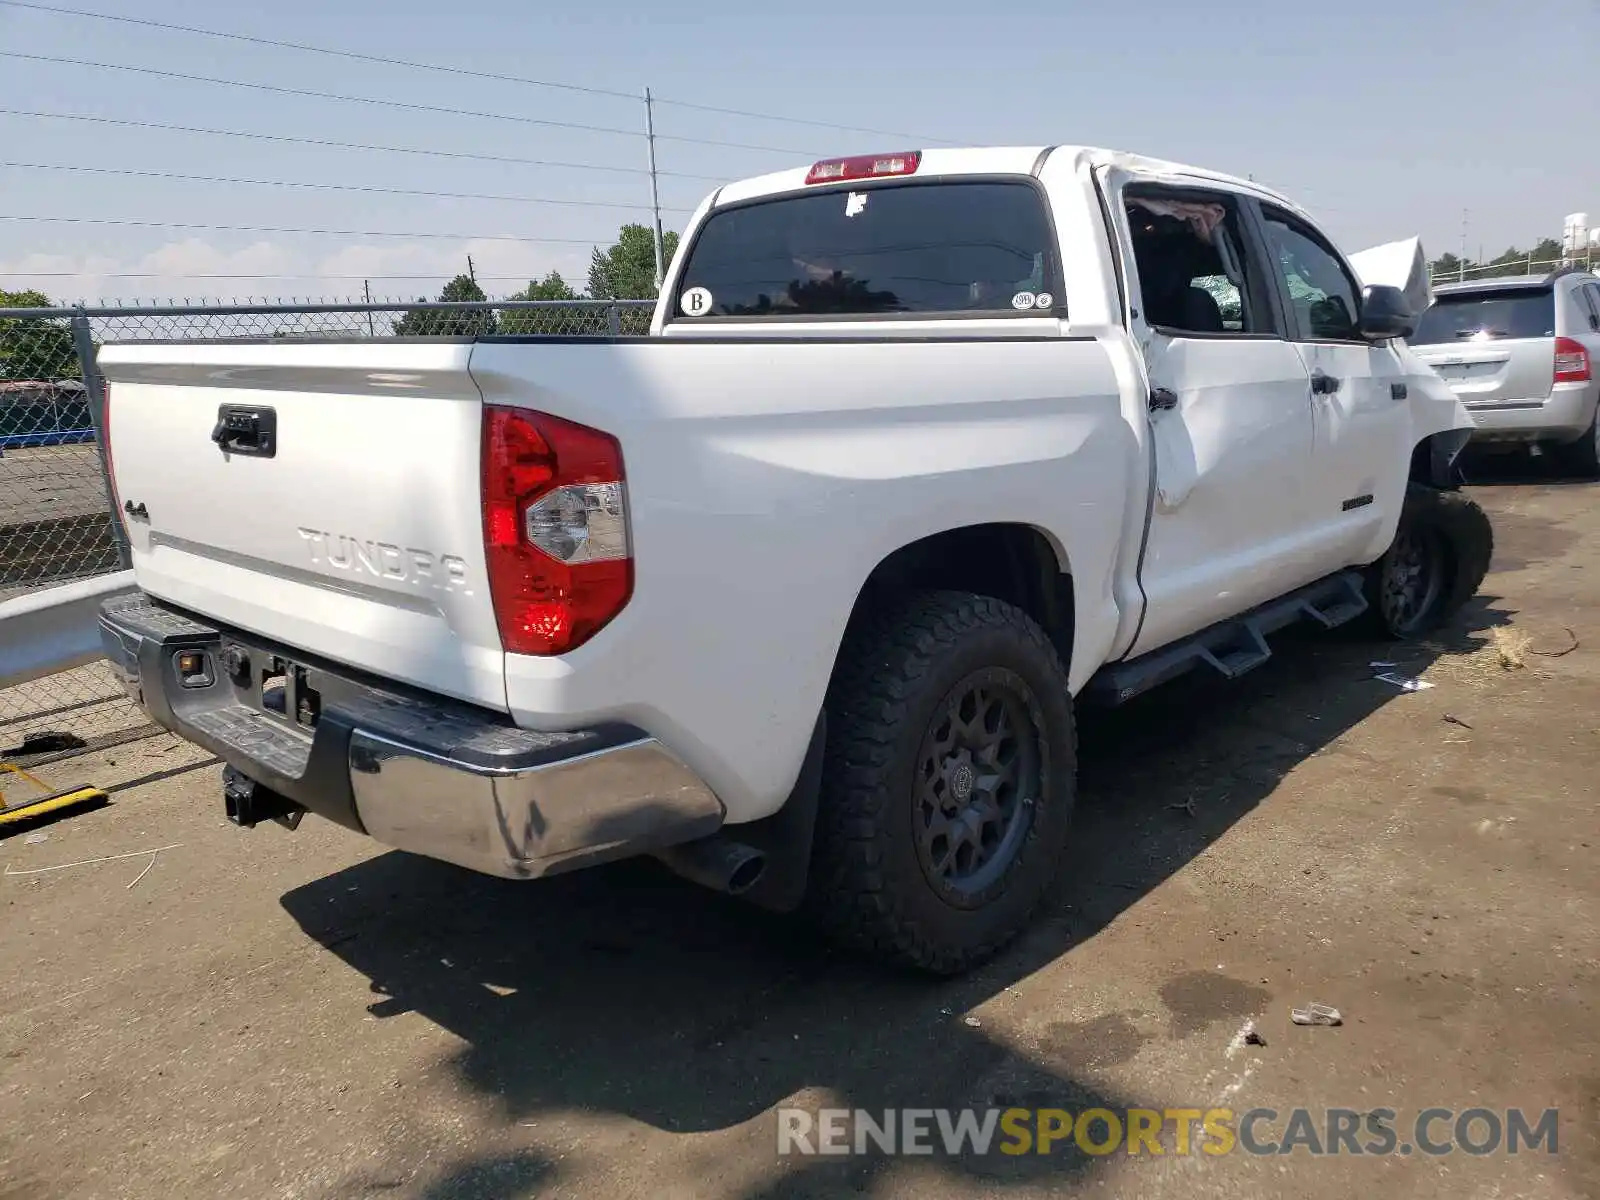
column 550, row 320
column 1544, row 257
column 627, row 271
column 35, row 349
column 1548, row 253
column 551, row 287
column 445, row 322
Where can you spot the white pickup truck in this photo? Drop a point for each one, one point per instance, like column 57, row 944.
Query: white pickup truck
column 796, row 593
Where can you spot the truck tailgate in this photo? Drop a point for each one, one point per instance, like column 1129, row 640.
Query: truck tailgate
column 356, row 534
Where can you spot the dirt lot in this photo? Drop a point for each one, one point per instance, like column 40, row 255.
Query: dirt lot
column 265, row 1014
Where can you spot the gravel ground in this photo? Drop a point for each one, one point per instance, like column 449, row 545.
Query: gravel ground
column 264, row 1014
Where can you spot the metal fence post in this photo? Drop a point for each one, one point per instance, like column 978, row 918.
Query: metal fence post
column 95, row 397
column 614, row 318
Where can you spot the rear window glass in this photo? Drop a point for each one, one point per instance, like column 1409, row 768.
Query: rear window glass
column 905, row 248
column 1484, row 315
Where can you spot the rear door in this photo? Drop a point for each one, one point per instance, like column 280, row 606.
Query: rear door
column 1360, row 419
column 325, row 496
column 1494, row 346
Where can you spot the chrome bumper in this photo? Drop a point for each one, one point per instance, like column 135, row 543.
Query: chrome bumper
column 596, row 806
column 432, row 776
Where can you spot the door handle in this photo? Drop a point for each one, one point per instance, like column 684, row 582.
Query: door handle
column 1323, row 384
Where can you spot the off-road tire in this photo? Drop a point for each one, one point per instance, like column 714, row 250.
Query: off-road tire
column 1464, row 538
column 897, row 675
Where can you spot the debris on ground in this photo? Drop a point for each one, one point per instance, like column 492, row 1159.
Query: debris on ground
column 1454, row 720
column 1511, row 648
column 46, row 805
column 44, row 742
column 1316, row 1014
column 1186, row 805
column 1254, row 1039
column 1404, row 682
column 1559, row 653
column 89, row 862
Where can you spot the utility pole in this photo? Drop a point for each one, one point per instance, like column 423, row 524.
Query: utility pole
column 1461, row 263
column 471, row 274
column 366, row 290
column 655, row 192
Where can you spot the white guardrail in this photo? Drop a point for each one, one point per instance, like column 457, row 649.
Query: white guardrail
column 55, row 629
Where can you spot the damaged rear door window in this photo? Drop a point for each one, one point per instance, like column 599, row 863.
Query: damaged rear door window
column 948, row 247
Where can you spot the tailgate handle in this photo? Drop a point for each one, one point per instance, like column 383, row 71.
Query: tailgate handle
column 248, row 429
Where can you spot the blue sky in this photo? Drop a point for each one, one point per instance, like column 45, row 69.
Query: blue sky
column 1386, row 118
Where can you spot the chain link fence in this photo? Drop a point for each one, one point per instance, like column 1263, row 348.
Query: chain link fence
column 55, row 511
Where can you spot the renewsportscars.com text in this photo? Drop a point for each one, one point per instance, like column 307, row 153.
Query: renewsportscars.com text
column 1178, row 1131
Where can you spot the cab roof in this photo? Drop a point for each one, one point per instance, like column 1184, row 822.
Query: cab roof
column 1007, row 160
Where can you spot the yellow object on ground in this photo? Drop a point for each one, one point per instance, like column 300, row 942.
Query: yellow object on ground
column 13, row 811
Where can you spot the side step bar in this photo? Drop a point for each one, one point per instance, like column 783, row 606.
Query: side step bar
column 1234, row 646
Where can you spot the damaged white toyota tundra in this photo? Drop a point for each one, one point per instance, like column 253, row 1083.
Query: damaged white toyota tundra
column 798, row 592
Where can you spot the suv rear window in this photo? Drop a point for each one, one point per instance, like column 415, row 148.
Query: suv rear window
column 1456, row 317
column 981, row 247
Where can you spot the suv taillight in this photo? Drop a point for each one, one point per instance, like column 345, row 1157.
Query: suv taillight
column 1572, row 361
column 555, row 530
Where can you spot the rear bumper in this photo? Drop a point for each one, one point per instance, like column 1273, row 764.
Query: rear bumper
column 1562, row 416
column 419, row 773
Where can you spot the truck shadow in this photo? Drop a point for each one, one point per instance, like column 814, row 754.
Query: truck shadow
column 622, row 990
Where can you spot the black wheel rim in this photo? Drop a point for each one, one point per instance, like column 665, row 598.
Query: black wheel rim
column 978, row 780
column 1413, row 576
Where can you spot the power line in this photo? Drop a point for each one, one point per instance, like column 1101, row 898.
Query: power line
column 336, row 145
column 309, row 49
column 449, row 70
column 460, row 237
column 91, row 274
column 336, row 187
column 407, row 105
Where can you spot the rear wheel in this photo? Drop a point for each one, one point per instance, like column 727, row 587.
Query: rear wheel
column 1436, row 563
column 948, row 785
column 1582, row 457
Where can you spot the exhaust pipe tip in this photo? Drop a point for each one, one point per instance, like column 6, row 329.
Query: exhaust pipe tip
column 716, row 862
column 748, row 873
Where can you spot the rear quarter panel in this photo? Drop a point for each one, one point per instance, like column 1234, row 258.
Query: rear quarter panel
column 768, row 478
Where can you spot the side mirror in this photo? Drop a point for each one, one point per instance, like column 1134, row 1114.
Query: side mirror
column 1385, row 313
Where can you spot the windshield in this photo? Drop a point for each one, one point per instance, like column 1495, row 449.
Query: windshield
column 905, row 248
column 1480, row 316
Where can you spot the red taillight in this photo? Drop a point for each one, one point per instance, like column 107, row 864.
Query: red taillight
column 555, row 530
column 864, row 166
column 1572, row 361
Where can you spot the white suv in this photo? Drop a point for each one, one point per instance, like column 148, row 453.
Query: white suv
column 1520, row 353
